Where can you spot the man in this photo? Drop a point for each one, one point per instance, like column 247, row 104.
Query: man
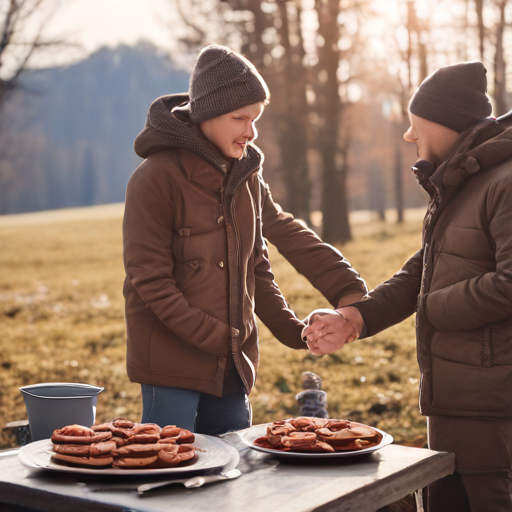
column 460, row 286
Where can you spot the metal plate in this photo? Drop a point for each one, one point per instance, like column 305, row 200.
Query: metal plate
column 251, row 434
column 213, row 453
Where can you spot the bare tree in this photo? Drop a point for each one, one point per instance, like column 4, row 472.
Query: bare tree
column 270, row 34
column 500, row 85
column 294, row 112
column 17, row 45
column 375, row 186
column 202, row 22
column 420, row 29
column 399, row 183
column 336, row 227
column 479, row 7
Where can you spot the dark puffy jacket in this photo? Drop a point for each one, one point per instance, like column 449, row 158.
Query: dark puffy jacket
column 460, row 282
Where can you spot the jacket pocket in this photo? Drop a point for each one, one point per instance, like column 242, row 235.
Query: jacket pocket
column 501, row 341
column 172, row 355
column 192, row 264
column 139, row 326
column 187, row 275
column 472, row 388
column 205, row 286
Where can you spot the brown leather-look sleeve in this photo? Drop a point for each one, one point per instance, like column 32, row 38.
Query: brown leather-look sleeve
column 149, row 261
column 272, row 308
column 394, row 300
column 270, row 304
column 323, row 265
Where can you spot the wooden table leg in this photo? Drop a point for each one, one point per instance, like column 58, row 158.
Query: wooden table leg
column 418, row 495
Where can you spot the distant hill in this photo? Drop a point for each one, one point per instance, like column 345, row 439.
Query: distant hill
column 66, row 137
column 67, row 134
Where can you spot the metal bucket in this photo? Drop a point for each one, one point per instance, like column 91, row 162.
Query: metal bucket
column 56, row 404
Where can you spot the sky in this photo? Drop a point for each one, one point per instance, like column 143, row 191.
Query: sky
column 96, row 23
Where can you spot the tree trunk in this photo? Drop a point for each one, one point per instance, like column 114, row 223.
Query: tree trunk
column 422, row 54
column 464, row 51
column 342, row 210
column 336, row 227
column 376, row 187
column 399, row 183
column 500, row 81
column 255, row 48
column 411, row 27
column 301, row 123
column 479, row 6
column 293, row 123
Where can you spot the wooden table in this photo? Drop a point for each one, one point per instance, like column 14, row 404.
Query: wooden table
column 352, row 484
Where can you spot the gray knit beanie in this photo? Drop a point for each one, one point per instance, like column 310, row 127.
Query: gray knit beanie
column 453, row 96
column 223, row 81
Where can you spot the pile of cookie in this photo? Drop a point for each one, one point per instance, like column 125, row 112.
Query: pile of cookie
column 318, row 435
column 122, row 444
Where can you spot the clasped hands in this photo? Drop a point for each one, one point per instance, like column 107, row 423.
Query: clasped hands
column 329, row 330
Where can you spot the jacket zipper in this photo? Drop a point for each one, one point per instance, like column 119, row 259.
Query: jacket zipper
column 433, row 208
column 235, row 332
column 237, row 239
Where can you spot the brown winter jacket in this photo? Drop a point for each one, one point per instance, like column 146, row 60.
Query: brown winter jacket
column 196, row 263
column 460, row 282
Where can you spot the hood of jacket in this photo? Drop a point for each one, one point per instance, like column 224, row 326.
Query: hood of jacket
column 168, row 126
column 486, row 144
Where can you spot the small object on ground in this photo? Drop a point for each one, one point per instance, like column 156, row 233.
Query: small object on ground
column 313, row 401
column 21, row 429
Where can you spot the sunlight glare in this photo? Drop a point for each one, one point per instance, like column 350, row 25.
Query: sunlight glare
column 354, row 92
column 422, row 8
column 387, row 8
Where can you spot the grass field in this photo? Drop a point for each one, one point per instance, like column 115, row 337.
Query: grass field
column 61, row 319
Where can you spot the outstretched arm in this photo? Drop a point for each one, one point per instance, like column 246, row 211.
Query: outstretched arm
column 388, row 304
column 270, row 305
column 273, row 310
column 323, row 265
column 394, row 300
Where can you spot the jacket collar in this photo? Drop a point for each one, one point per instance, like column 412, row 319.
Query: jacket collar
column 464, row 158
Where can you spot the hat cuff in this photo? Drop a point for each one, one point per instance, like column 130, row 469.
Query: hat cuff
column 224, row 101
column 445, row 116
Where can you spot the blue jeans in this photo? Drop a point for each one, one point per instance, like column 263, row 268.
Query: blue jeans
column 196, row 411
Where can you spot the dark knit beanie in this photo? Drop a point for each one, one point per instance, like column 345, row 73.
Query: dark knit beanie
column 223, row 81
column 453, row 96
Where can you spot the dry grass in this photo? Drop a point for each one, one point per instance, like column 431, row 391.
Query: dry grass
column 61, row 319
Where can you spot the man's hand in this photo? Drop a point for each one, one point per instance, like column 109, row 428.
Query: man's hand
column 327, row 331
